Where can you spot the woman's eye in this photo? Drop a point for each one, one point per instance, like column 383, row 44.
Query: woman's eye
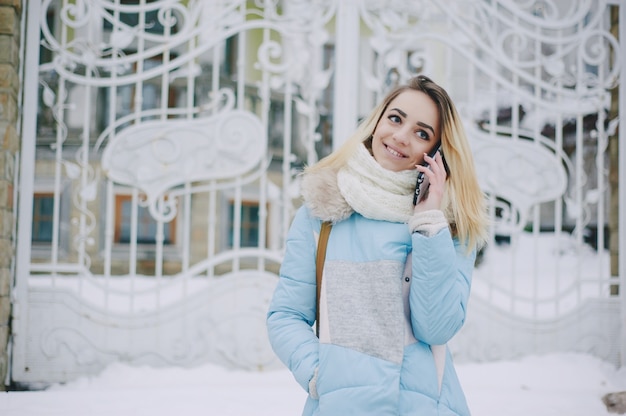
column 422, row 134
column 394, row 118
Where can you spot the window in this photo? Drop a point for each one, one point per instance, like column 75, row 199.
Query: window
column 249, row 233
column 44, row 221
column 131, row 18
column 43, row 206
column 146, row 224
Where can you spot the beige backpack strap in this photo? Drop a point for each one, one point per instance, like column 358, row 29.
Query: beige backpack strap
column 322, row 242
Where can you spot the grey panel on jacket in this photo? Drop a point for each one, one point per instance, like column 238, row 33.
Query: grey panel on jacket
column 365, row 310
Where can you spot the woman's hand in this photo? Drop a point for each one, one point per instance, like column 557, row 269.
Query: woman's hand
column 437, row 176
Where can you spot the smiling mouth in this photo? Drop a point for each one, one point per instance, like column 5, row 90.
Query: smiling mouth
column 394, row 152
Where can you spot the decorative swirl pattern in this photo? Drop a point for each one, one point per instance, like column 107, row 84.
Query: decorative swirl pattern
column 570, row 45
column 157, row 156
column 521, row 172
column 202, row 327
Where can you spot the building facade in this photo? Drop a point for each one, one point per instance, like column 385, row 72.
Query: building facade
column 10, row 12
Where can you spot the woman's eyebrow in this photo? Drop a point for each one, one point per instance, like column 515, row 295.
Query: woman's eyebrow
column 426, row 126
column 402, row 113
column 419, row 123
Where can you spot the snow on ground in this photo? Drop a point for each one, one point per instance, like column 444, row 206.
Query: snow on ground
column 551, row 385
column 563, row 384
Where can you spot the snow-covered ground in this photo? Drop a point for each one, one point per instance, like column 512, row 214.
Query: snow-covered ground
column 562, row 384
column 553, row 385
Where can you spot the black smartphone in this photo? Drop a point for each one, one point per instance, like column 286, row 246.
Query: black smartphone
column 422, row 180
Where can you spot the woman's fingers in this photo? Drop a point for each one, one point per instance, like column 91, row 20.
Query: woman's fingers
column 436, row 171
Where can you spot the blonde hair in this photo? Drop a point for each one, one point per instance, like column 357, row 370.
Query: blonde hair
column 464, row 202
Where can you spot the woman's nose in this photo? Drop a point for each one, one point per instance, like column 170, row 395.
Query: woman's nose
column 402, row 135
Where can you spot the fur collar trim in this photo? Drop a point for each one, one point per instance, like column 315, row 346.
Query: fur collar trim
column 320, row 192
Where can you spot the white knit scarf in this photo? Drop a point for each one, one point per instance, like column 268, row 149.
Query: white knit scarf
column 374, row 191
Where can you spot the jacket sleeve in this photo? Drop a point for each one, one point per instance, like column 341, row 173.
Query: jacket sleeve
column 291, row 312
column 442, row 273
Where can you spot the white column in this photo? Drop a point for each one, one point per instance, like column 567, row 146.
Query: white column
column 345, row 100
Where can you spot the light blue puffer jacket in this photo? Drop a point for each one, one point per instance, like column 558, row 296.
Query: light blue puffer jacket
column 371, row 358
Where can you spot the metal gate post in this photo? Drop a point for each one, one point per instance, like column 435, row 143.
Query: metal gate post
column 346, row 71
column 28, row 119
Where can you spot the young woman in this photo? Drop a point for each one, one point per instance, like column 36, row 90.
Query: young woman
column 396, row 279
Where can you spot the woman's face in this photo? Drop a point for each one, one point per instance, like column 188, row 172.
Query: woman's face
column 408, row 128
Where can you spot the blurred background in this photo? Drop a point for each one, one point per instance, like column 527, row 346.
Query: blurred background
column 151, row 151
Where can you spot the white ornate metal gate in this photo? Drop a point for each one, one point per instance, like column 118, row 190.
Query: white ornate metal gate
column 162, row 140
